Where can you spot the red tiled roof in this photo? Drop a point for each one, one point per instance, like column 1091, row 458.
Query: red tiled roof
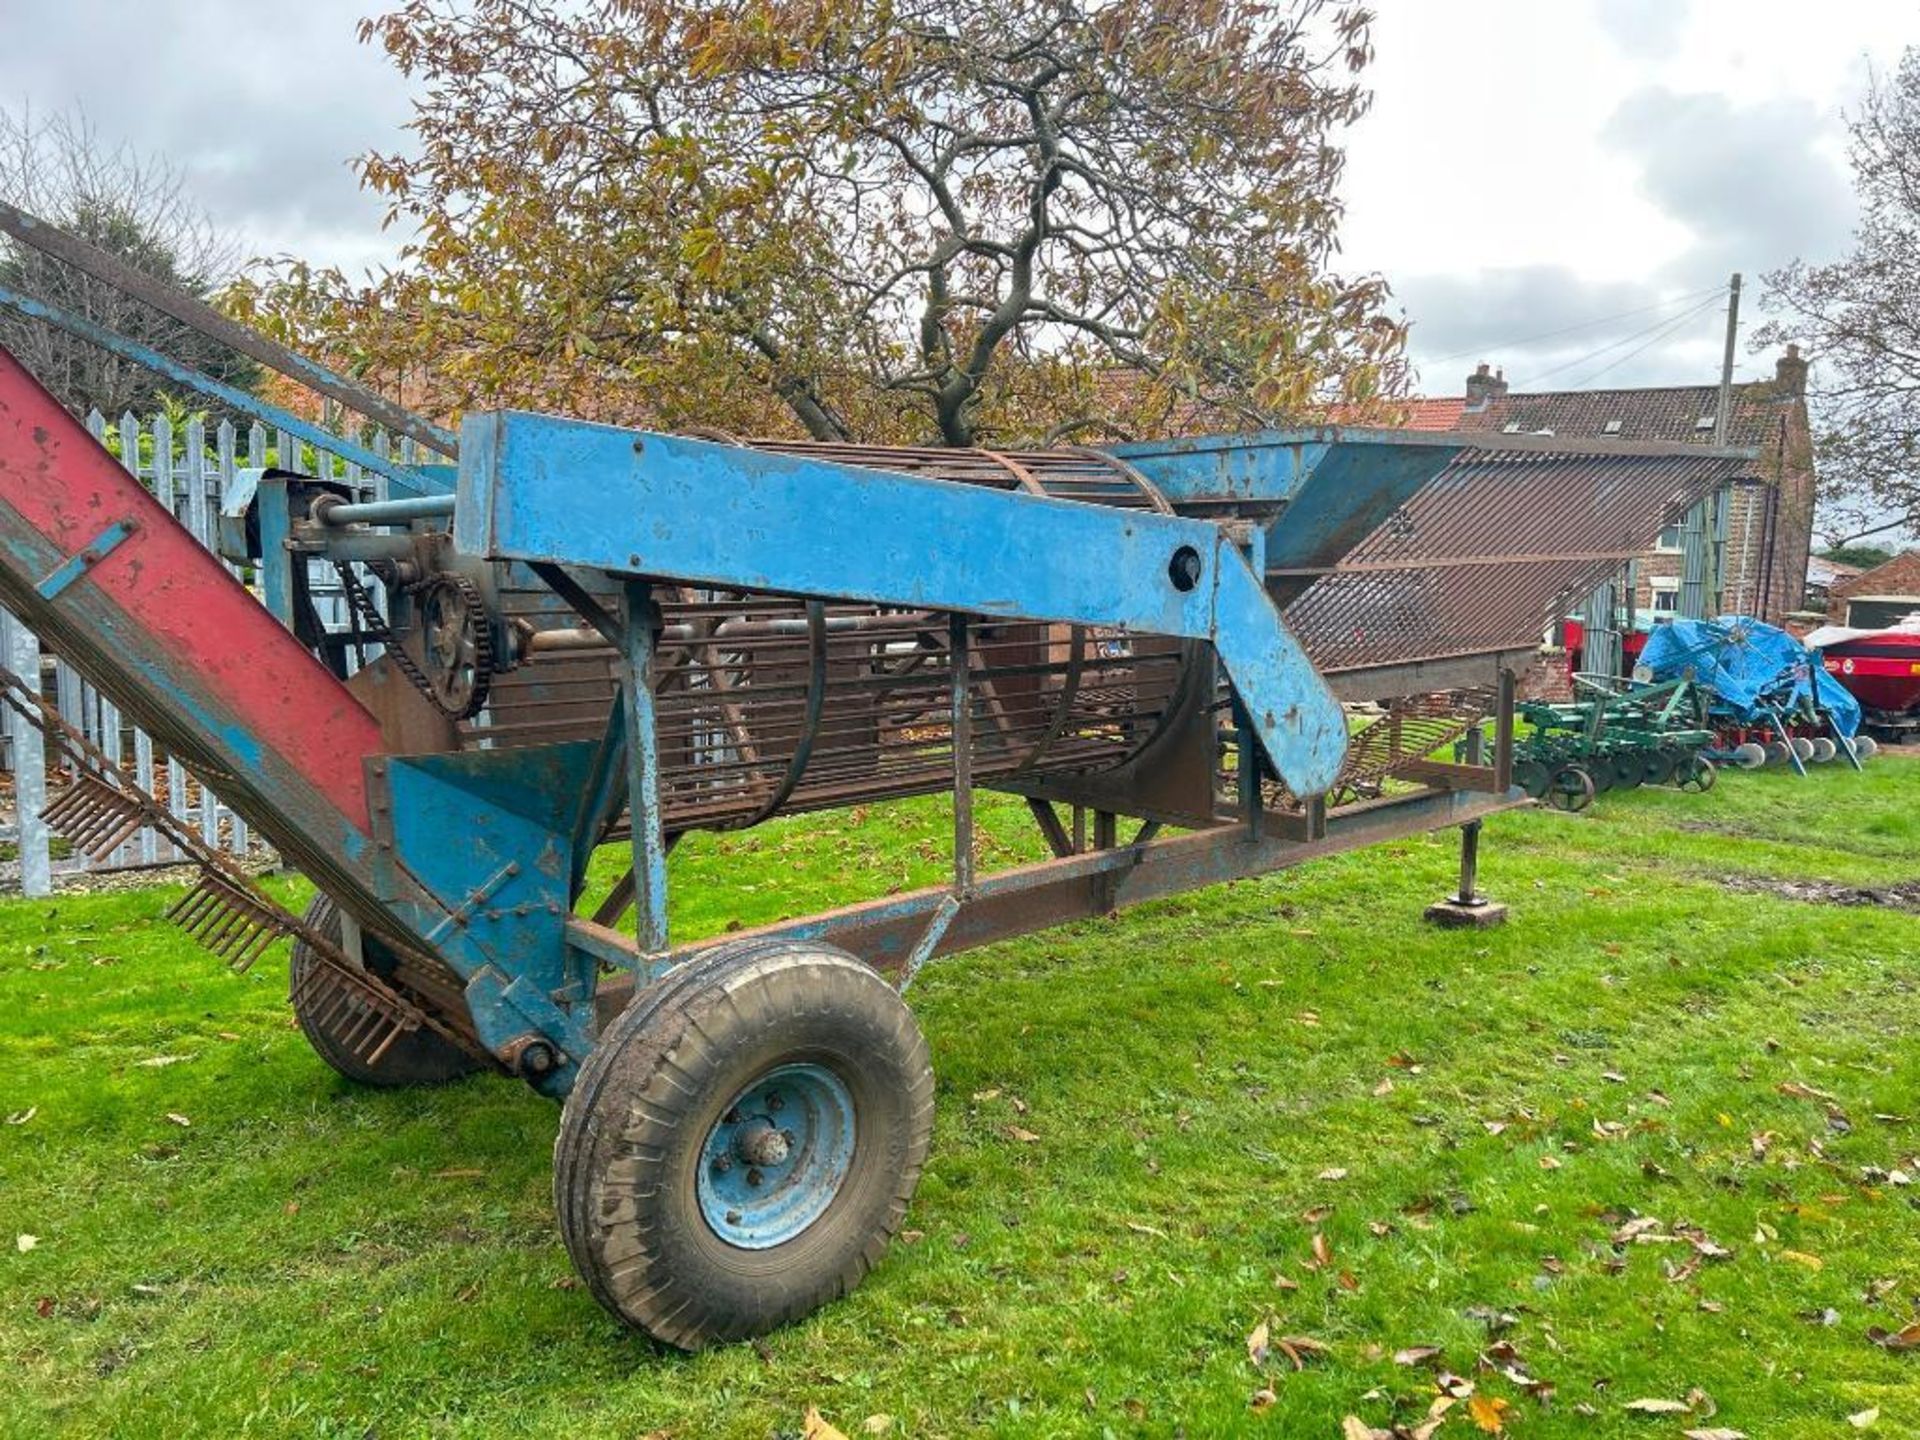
column 1440, row 412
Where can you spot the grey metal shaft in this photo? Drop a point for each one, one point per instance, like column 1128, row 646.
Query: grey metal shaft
column 386, row 512
column 1470, row 832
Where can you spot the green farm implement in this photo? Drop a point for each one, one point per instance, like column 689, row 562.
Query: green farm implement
column 1613, row 735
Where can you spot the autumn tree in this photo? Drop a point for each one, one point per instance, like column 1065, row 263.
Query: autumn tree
column 931, row 220
column 1860, row 316
column 135, row 208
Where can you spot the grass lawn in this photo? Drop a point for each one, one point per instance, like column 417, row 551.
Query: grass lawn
column 1650, row 1141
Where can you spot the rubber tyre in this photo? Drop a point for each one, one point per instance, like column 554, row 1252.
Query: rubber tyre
column 419, row 1058
column 663, row 1074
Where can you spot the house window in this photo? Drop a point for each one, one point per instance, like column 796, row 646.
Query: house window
column 1666, row 596
column 1612, row 427
column 1669, row 541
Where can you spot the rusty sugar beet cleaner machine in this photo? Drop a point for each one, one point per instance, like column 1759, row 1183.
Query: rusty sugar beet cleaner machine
column 1194, row 661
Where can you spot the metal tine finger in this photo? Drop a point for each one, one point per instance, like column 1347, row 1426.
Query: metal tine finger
column 385, row 1045
column 263, row 941
column 187, row 909
column 225, row 917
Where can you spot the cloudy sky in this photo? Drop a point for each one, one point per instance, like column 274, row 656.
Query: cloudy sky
column 1588, row 171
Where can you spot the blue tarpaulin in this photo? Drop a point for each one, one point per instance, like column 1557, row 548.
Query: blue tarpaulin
column 1751, row 667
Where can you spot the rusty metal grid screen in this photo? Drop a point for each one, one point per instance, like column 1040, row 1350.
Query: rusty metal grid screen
column 1488, row 553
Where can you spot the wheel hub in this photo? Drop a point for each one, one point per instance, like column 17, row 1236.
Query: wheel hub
column 777, row 1157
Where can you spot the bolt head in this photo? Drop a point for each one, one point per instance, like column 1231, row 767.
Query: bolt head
column 733, row 1217
column 774, row 1102
column 723, row 1163
column 753, row 1177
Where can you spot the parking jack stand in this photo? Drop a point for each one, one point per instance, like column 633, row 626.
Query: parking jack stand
column 1467, row 908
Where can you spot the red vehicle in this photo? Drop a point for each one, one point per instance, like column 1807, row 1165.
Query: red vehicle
column 1881, row 668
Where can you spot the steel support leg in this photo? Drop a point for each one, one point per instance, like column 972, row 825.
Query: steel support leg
column 1467, row 907
column 643, row 773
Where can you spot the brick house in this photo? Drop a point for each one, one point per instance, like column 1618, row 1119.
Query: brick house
column 1878, row 596
column 1769, row 513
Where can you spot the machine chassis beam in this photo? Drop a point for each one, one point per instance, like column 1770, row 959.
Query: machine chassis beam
column 1033, row 897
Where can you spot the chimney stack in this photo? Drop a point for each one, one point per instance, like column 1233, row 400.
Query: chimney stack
column 1484, row 386
column 1790, row 372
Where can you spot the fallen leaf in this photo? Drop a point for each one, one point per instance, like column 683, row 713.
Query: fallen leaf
column 1333, row 1173
column 1257, row 1347
column 1715, row 1432
column 1153, row 1230
column 178, row 1119
column 1023, row 1135
column 1896, row 1340
column 1415, row 1354
column 1800, row 1257
column 1863, row 1419
column 1487, row 1412
column 1299, row 1349
column 984, row 1095
column 24, row 1243
column 156, row 1062
column 1385, row 1087
column 1354, row 1428
column 1322, row 1248
column 1262, row 1398
column 877, row 1424
column 1659, row 1407
column 21, row 1117
column 815, row 1427
column 458, row 1174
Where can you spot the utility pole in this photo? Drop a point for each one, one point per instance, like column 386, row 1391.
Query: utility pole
column 1702, row 530
column 1726, row 361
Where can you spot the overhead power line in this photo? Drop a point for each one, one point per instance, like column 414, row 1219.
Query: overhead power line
column 1657, row 331
column 1671, row 328
column 1483, row 350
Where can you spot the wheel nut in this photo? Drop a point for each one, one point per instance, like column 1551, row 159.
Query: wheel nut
column 753, row 1177
column 732, row 1117
column 774, row 1102
column 723, row 1163
column 733, row 1217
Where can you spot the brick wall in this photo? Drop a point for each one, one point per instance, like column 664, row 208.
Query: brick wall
column 1899, row 576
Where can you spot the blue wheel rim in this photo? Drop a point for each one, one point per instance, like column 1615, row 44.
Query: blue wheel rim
column 777, row 1157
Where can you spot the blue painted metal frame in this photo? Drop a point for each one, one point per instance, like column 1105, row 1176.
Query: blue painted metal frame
column 541, row 489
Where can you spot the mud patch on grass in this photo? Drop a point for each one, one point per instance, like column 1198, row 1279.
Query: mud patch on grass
column 1904, row 896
